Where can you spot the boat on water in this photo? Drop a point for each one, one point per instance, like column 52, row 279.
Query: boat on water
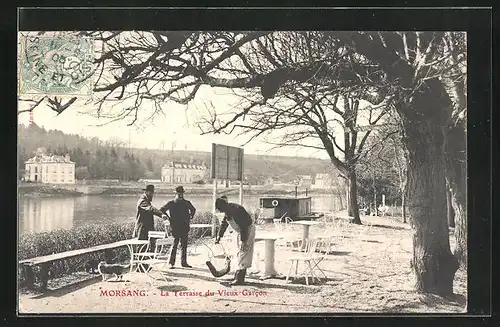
column 286, row 208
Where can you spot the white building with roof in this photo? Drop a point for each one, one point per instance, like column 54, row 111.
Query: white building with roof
column 50, row 169
column 182, row 172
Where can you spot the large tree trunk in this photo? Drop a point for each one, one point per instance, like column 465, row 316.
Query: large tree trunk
column 423, row 122
column 353, row 197
column 457, row 176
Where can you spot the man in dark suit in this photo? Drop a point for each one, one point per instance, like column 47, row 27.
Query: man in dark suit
column 180, row 213
column 144, row 222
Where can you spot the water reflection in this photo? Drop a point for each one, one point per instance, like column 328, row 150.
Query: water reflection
column 43, row 214
column 46, row 214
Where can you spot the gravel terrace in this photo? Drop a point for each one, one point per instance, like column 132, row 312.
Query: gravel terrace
column 368, row 271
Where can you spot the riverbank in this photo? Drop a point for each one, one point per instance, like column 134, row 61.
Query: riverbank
column 30, row 189
column 47, row 191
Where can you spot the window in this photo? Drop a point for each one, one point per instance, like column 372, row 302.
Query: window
column 36, row 170
column 46, row 169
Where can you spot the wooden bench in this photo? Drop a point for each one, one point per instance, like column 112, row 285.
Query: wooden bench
column 45, row 262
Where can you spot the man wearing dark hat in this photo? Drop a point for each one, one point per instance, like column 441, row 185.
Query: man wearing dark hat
column 145, row 211
column 144, row 222
column 180, row 213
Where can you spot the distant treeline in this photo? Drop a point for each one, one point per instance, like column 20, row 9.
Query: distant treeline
column 96, row 159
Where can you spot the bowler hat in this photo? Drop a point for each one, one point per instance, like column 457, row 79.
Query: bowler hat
column 149, row 188
column 179, row 189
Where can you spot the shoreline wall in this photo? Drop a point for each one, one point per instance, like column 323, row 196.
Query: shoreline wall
column 136, row 188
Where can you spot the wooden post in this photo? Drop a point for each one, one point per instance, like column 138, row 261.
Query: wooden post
column 44, row 275
column 214, row 197
column 241, row 192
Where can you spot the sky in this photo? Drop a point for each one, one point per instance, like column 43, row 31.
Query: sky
column 177, row 128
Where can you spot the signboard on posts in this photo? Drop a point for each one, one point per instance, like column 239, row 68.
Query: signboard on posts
column 227, row 162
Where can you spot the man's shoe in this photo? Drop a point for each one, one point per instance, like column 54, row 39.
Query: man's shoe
column 238, row 278
column 171, row 266
column 185, row 265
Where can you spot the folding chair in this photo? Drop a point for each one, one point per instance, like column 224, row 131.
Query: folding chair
column 140, row 258
column 259, row 220
column 159, row 257
column 309, row 259
column 334, row 231
column 322, row 250
column 279, row 225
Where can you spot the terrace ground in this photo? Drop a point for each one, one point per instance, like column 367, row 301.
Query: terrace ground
column 368, row 271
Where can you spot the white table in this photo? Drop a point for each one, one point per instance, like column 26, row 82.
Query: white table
column 200, row 239
column 132, row 245
column 269, row 239
column 305, row 229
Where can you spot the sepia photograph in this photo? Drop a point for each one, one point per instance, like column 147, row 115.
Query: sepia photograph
column 246, row 171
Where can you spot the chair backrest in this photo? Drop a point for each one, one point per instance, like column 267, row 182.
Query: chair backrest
column 157, row 234
column 311, row 245
column 154, row 235
column 322, row 247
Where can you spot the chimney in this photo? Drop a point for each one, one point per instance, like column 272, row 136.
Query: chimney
column 67, row 157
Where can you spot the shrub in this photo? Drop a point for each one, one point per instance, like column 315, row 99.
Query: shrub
column 40, row 244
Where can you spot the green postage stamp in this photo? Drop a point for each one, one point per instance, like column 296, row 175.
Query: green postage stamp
column 56, row 65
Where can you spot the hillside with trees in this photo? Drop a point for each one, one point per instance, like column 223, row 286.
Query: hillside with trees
column 97, row 159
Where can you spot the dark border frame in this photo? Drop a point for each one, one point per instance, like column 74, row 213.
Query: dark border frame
column 477, row 22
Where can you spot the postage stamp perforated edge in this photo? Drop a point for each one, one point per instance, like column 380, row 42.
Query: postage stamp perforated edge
column 26, row 88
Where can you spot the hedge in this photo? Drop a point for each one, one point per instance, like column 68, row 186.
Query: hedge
column 40, row 244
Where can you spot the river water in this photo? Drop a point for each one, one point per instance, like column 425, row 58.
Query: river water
column 43, row 214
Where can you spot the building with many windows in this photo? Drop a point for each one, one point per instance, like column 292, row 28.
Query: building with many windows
column 181, row 172
column 52, row 169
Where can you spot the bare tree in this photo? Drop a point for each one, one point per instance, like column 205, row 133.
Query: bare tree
column 387, row 158
column 309, row 119
column 311, row 114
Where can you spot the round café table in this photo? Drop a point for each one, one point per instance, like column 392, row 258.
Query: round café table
column 136, row 248
column 269, row 239
column 305, row 230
